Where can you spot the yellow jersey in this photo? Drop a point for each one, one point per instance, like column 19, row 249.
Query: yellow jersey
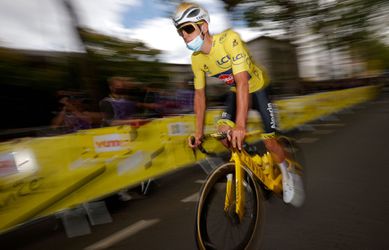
column 228, row 56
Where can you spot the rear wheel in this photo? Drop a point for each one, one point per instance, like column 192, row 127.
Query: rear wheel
column 217, row 229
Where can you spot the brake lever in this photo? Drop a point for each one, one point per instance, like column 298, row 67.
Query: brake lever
column 200, row 147
column 192, row 141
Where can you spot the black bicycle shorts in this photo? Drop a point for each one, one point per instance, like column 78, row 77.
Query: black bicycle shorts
column 261, row 103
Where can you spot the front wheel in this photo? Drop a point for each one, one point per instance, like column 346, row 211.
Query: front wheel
column 220, row 229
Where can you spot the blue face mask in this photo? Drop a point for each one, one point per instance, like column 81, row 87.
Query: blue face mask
column 196, row 43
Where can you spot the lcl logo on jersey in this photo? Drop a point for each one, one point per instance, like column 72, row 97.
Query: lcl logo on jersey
column 223, row 61
column 237, row 59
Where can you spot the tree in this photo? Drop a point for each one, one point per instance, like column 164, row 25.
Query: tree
column 112, row 56
column 107, row 56
column 347, row 20
column 348, row 25
column 270, row 15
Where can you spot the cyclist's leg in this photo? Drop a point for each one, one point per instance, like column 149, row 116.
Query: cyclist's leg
column 227, row 118
column 263, row 105
column 293, row 191
column 230, row 110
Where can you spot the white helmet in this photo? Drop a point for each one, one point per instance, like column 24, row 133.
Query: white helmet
column 189, row 12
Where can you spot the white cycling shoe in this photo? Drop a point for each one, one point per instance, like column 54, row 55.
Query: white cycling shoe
column 292, row 185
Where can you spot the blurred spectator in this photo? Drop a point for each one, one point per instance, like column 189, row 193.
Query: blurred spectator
column 184, row 97
column 121, row 108
column 118, row 108
column 152, row 103
column 73, row 115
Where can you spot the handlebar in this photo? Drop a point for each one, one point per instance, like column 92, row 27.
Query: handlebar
column 219, row 136
column 224, row 135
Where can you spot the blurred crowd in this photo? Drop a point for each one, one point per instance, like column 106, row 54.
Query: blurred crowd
column 127, row 103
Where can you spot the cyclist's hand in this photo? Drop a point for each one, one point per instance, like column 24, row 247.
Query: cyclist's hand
column 236, row 137
column 194, row 141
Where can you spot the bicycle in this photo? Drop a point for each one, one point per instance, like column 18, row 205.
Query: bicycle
column 229, row 213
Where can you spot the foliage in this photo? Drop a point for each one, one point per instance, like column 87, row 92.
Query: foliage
column 374, row 52
column 356, row 25
column 341, row 22
column 108, row 56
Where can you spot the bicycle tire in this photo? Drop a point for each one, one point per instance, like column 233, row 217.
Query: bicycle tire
column 206, row 213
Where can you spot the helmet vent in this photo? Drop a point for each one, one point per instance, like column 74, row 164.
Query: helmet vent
column 194, row 13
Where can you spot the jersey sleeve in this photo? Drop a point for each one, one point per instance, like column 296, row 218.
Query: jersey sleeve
column 199, row 75
column 238, row 53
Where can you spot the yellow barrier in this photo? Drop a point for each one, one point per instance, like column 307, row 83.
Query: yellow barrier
column 299, row 110
column 42, row 176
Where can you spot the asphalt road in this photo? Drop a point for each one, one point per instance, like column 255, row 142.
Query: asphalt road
column 347, row 204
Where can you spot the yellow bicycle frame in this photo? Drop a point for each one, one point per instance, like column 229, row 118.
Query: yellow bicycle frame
column 261, row 166
column 239, row 192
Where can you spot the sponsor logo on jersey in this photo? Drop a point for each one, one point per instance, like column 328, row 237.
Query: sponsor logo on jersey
column 273, row 123
column 222, row 38
column 227, row 78
column 256, row 73
column 206, row 69
column 235, row 43
column 223, row 62
column 248, row 61
column 238, row 59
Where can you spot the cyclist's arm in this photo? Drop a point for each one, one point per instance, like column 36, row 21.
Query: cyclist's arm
column 242, row 97
column 199, row 101
column 240, row 68
column 199, row 108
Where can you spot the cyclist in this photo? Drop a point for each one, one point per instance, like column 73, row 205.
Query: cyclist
column 226, row 57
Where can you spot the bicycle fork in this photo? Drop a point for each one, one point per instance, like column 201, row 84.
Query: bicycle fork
column 239, row 193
